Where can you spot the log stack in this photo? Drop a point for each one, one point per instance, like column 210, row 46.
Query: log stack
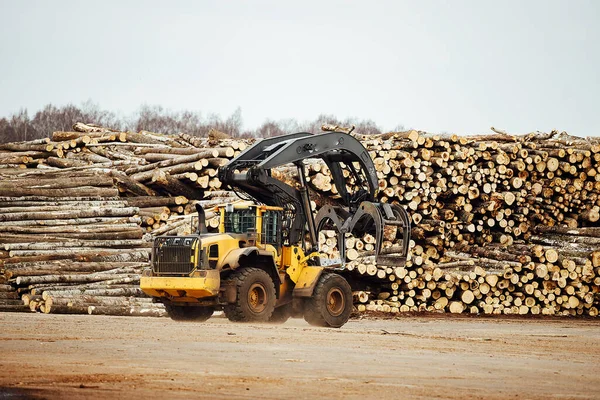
column 501, row 223
column 517, row 211
column 78, row 211
column 53, row 240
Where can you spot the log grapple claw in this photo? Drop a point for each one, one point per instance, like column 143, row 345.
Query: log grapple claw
column 370, row 217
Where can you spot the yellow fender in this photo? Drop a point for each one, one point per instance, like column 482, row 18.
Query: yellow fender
column 233, row 258
column 307, row 281
column 304, row 276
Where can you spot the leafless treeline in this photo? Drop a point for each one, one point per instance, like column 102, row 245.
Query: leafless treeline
column 21, row 126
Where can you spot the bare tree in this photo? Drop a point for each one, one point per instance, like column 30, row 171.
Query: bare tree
column 232, row 125
column 21, row 124
column 52, row 118
column 7, row 133
column 44, row 121
column 315, row 126
column 157, row 119
column 270, row 129
column 91, row 112
column 364, row 126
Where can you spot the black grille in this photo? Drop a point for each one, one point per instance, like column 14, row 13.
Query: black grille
column 172, row 255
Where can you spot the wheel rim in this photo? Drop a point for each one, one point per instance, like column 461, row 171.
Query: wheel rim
column 335, row 302
column 257, row 298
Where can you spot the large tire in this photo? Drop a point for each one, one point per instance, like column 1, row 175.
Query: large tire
column 331, row 302
column 255, row 297
column 189, row 313
column 281, row 314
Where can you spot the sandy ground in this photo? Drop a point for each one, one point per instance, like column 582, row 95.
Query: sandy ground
column 79, row 357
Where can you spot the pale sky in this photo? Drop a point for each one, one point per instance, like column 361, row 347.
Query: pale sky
column 439, row 66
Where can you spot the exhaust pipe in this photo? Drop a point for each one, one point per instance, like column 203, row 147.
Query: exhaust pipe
column 201, row 219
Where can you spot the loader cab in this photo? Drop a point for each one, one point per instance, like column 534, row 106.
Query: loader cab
column 261, row 224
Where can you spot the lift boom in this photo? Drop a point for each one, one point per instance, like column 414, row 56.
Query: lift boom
column 358, row 213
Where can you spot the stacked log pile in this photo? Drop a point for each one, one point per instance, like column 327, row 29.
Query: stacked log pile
column 501, row 223
column 76, row 210
column 53, row 243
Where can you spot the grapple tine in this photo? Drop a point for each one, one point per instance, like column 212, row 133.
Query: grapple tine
column 367, row 218
column 330, row 213
column 404, row 219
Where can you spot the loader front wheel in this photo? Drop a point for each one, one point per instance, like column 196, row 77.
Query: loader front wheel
column 255, row 296
column 331, row 302
column 189, row 313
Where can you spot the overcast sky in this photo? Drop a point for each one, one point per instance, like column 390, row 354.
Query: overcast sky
column 440, row 66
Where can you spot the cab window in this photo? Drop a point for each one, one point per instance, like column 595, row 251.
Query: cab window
column 271, row 227
column 240, row 221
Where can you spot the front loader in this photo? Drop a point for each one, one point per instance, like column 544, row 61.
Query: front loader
column 264, row 264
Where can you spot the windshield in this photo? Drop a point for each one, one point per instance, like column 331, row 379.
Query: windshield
column 240, row 221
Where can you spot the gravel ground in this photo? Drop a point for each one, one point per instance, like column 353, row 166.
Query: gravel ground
column 80, row 357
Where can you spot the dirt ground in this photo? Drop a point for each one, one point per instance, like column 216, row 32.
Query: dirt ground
column 77, row 357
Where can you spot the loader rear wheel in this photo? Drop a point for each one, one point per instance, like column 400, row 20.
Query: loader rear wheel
column 189, row 313
column 331, row 302
column 255, row 299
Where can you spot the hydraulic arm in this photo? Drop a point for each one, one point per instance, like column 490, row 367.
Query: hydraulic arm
column 358, row 213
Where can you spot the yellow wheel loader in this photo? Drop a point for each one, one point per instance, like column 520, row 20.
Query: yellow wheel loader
column 264, row 263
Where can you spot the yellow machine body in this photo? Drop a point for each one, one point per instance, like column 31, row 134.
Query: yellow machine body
column 211, row 254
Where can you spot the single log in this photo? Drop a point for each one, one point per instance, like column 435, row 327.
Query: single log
column 142, row 137
column 6, row 288
column 98, row 300
column 65, row 309
column 456, row 307
column 73, row 214
column 73, row 244
column 66, row 267
column 560, row 240
column 167, row 150
column 153, row 310
column 26, row 280
column 137, row 255
column 70, row 253
column 131, row 291
column 9, row 295
column 142, row 202
column 107, row 225
column 564, row 230
column 65, row 163
column 58, row 183
column 14, row 308
column 136, row 233
column 81, row 191
column 64, row 207
column 467, row 297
